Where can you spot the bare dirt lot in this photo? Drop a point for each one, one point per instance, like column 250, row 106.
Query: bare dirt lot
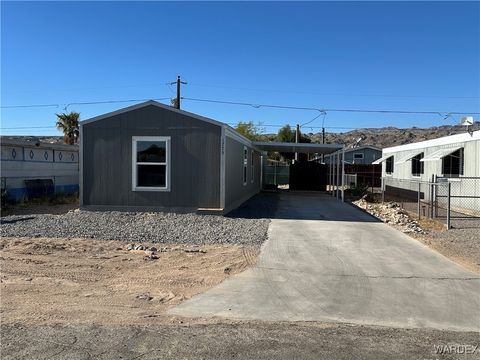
column 85, row 281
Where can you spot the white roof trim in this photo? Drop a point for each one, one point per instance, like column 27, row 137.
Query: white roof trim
column 446, row 140
column 409, row 156
column 440, row 154
column 382, row 159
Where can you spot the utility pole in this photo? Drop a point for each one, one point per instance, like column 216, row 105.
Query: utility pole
column 178, row 82
column 297, row 139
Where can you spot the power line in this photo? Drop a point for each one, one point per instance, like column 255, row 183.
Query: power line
column 441, row 113
column 29, row 106
column 66, row 105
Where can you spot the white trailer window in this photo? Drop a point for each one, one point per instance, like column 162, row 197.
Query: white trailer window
column 151, row 163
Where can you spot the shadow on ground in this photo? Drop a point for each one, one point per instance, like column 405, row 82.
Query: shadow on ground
column 298, row 205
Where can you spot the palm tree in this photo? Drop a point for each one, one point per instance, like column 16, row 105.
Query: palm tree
column 68, row 124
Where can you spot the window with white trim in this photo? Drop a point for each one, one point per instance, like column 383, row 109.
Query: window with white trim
column 151, row 163
column 252, row 162
column 245, row 164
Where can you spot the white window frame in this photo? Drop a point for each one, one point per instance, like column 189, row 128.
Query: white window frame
column 252, row 166
column 167, row 140
column 245, row 166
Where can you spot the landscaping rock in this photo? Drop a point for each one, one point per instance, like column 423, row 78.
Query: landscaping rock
column 138, row 227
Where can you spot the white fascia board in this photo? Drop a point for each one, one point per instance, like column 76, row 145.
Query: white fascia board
column 446, row 140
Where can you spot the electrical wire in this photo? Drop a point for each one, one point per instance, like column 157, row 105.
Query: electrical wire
column 440, row 113
column 66, row 105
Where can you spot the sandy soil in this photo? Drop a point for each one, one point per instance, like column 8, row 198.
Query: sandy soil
column 85, row 281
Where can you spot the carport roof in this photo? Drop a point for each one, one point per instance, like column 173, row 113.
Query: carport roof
column 307, row 148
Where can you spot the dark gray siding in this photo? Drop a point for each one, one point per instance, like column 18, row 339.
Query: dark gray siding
column 195, row 160
column 235, row 191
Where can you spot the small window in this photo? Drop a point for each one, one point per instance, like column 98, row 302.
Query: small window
column 150, row 163
column 252, row 166
column 452, row 165
column 357, row 158
column 389, row 165
column 417, row 165
column 245, row 165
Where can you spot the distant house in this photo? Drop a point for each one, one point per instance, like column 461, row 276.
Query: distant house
column 362, row 155
column 36, row 168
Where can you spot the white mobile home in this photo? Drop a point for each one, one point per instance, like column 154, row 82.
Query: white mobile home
column 454, row 158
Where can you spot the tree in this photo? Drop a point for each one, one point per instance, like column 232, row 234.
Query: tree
column 287, row 134
column 68, row 124
column 249, row 130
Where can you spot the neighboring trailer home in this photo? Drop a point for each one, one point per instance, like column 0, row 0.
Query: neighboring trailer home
column 32, row 169
column 454, row 159
column 151, row 156
column 362, row 155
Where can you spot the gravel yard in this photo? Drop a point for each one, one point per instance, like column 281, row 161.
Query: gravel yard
column 246, row 225
column 139, row 227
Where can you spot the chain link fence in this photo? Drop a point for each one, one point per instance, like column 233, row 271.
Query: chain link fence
column 455, row 202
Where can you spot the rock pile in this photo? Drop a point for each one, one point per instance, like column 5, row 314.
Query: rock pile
column 391, row 213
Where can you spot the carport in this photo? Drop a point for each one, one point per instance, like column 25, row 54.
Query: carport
column 336, row 170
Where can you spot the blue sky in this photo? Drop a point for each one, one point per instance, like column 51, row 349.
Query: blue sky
column 378, row 55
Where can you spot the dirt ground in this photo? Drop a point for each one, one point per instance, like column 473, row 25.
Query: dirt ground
column 461, row 245
column 85, row 281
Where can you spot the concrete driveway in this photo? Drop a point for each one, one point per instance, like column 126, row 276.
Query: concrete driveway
column 328, row 261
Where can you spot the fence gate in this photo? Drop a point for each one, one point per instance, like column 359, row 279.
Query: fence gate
column 274, row 175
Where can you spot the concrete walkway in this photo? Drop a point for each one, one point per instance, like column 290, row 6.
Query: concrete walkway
column 327, row 261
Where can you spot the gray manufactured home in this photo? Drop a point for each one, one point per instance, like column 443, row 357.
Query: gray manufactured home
column 366, row 154
column 151, row 156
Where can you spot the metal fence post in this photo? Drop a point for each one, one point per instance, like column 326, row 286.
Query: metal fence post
column 449, row 189
column 431, row 200
column 418, row 198
column 343, row 174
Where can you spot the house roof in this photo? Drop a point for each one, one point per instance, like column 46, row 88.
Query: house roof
column 165, row 107
column 265, row 146
column 446, row 140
